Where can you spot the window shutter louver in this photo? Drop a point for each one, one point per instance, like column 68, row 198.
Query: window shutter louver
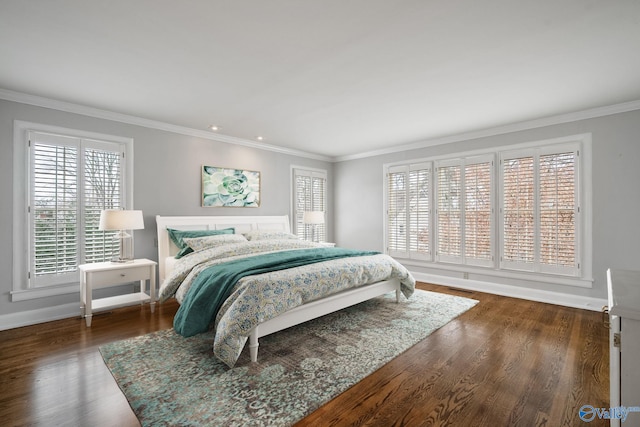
column 102, row 190
column 310, row 189
column 409, row 211
column 54, row 208
column 397, row 212
column 303, row 203
column 449, row 222
column 478, row 213
column 557, row 210
column 419, row 211
column 319, row 204
column 518, row 211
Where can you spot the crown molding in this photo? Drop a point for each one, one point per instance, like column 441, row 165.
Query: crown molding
column 499, row 130
column 69, row 107
column 84, row 110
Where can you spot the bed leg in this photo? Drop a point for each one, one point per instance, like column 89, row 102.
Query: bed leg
column 397, row 295
column 253, row 345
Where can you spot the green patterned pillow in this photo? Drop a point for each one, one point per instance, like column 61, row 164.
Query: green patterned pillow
column 177, row 237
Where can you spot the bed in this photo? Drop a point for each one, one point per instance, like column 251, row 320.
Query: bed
column 180, row 278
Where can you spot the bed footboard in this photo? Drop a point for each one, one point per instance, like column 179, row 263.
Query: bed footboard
column 319, row 308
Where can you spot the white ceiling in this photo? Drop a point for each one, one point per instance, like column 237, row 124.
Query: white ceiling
column 332, row 77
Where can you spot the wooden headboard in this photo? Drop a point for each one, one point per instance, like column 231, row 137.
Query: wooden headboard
column 242, row 224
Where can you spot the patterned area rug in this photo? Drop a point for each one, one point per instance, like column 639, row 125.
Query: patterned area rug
column 170, row 380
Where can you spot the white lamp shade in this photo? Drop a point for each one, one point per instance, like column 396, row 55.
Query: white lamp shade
column 313, row 217
column 117, row 219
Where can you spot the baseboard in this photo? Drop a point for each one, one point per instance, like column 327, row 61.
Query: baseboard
column 32, row 317
column 557, row 298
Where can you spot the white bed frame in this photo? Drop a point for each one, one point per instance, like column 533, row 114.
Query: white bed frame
column 243, row 224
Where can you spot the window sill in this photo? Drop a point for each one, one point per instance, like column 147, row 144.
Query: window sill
column 504, row 276
column 35, row 293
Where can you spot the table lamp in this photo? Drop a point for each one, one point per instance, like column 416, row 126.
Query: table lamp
column 122, row 220
column 313, row 218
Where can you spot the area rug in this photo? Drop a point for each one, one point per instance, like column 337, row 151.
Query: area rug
column 170, row 380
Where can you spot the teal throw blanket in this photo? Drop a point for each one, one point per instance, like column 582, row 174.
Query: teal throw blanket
column 214, row 284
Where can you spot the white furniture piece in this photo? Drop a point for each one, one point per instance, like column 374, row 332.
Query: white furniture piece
column 328, row 244
column 106, row 274
column 243, row 224
column 624, row 342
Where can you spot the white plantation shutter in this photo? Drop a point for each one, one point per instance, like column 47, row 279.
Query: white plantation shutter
column 540, row 210
column 478, row 212
column 54, row 208
column 518, row 207
column 71, row 181
column 409, row 211
column 397, row 222
column 102, row 190
column 310, row 194
column 319, row 203
column 465, row 209
column 420, row 210
column 523, row 216
column 558, row 212
column 449, row 214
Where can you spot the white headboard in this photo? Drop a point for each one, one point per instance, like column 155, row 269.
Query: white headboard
column 242, row 224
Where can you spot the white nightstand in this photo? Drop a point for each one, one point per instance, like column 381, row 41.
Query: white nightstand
column 106, row 274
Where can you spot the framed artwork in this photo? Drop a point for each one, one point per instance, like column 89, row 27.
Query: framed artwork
column 230, row 187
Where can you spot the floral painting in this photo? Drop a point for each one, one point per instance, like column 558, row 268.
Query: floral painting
column 230, row 187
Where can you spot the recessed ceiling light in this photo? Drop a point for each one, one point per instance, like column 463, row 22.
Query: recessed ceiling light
column 214, row 127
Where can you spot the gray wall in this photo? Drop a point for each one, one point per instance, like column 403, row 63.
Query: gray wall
column 616, row 191
column 166, row 181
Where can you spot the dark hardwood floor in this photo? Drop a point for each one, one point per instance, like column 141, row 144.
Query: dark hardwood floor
column 506, row 362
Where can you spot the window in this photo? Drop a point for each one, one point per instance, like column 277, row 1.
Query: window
column 540, row 210
column 69, row 178
column 478, row 211
column 409, row 211
column 449, row 212
column 517, row 212
column 464, row 211
column 523, row 217
column 309, row 194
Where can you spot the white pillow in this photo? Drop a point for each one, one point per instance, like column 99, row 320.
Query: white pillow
column 268, row 235
column 206, row 242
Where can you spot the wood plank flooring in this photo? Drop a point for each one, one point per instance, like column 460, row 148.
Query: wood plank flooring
column 506, row 362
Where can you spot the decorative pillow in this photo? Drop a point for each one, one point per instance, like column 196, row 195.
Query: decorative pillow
column 200, row 243
column 177, row 237
column 268, row 235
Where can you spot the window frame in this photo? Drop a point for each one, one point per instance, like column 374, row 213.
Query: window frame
column 582, row 277
column 22, row 288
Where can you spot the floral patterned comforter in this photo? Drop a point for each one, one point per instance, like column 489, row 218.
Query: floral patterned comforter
column 261, row 297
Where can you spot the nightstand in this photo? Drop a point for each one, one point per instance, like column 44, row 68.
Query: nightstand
column 106, row 274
